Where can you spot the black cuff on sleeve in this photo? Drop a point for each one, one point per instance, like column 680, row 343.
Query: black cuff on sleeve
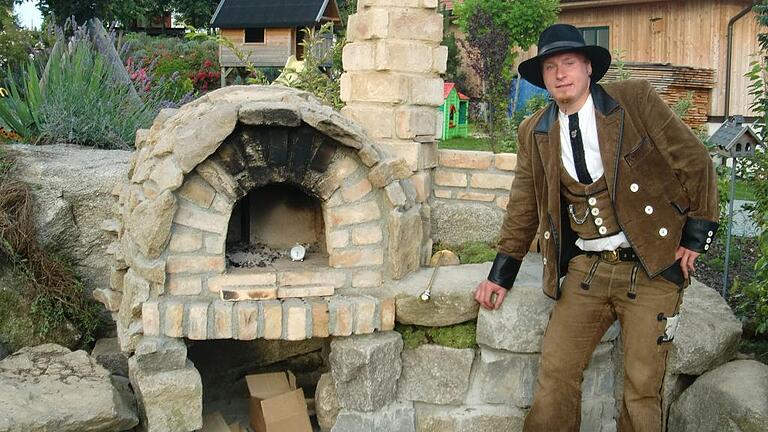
column 698, row 235
column 504, row 270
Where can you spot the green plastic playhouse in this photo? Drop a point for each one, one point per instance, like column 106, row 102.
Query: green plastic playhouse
column 454, row 109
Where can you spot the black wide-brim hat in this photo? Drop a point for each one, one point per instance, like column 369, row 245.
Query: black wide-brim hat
column 560, row 38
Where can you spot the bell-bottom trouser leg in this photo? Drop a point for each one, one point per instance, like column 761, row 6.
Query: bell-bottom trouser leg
column 577, row 323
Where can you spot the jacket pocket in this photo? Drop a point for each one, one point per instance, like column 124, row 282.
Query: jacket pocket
column 674, row 274
column 638, row 152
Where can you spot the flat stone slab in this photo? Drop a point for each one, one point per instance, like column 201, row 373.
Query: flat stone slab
column 730, row 398
column 435, row 374
column 708, row 334
column 469, row 418
column 397, row 416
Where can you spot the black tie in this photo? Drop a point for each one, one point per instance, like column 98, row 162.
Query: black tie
column 578, row 149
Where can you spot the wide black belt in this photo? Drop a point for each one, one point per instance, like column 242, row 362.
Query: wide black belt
column 615, row 255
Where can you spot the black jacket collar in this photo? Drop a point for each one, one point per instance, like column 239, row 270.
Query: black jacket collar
column 604, row 103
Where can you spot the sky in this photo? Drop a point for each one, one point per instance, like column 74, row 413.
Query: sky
column 29, row 15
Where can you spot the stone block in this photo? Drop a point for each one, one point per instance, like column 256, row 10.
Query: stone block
column 491, row 181
column 338, row 239
column 192, row 216
column 426, row 378
column 422, row 184
column 732, row 397
column 151, row 238
column 366, row 235
column 451, row 301
column 273, row 319
column 214, row 243
column 415, row 120
column 428, row 156
column 222, row 319
column 387, row 306
column 456, row 222
column 195, row 264
column 383, row 87
column 475, row 196
column 366, row 319
column 388, row 170
column 341, row 317
column 597, row 414
column 109, row 298
column 116, row 278
column 359, row 56
column 197, row 191
column 272, row 113
column 415, row 24
column 356, row 258
column 708, row 333
column 159, row 354
column 475, row 160
column 366, row 279
column 427, row 91
column 168, row 401
column 519, row 324
column 368, row 154
column 185, row 240
column 248, row 323
column 404, row 249
column 505, row 161
column 150, row 317
column 320, row 317
column 353, row 214
column 598, row 381
column 443, row 193
column 439, row 59
column 403, row 56
column 218, row 177
column 408, row 150
column 470, row 418
column 197, row 320
column 501, row 377
column 356, row 190
column 184, row 285
column 333, row 278
column 502, row 202
column 107, row 353
column 450, row 178
column 338, row 172
column 367, row 24
column 326, row 402
column 166, row 174
column 379, row 121
column 397, row 416
column 366, row 369
column 395, row 194
column 241, row 278
column 305, row 291
column 297, row 321
column 172, row 319
column 135, row 292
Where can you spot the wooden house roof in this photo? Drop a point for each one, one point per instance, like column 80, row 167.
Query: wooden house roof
column 273, row 13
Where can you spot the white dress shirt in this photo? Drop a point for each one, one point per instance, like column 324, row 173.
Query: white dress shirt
column 588, row 127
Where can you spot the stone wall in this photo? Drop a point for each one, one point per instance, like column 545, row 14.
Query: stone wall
column 470, row 192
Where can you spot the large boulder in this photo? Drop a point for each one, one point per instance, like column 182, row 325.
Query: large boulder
column 708, row 334
column 366, row 369
column 326, row 402
column 730, row 398
column 50, row 388
column 71, row 189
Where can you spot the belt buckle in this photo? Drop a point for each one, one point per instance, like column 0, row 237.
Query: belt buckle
column 610, row 256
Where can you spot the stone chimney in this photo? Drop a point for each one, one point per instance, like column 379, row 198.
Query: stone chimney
column 392, row 84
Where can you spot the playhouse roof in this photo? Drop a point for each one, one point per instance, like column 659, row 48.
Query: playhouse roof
column 269, row 13
column 448, row 86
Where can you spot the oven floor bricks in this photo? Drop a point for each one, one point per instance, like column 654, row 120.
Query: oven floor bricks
column 286, row 319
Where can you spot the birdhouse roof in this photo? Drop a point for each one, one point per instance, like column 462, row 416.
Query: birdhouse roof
column 272, row 13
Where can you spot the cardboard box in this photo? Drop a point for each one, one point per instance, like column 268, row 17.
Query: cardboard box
column 276, row 404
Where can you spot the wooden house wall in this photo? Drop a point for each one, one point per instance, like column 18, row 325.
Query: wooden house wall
column 279, row 44
column 683, row 32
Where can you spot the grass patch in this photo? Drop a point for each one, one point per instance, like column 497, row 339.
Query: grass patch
column 468, row 143
column 456, row 336
column 757, row 347
column 470, row 252
column 743, row 191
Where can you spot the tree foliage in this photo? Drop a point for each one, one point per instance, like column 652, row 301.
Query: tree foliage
column 495, row 30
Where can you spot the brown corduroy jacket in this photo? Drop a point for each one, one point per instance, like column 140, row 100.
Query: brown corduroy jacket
column 651, row 160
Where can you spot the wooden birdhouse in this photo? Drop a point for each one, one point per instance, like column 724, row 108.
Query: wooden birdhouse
column 455, row 110
column 734, row 139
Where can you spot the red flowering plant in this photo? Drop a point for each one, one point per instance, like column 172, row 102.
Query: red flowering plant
column 207, row 77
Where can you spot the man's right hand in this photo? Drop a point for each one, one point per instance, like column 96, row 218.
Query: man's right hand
column 484, row 292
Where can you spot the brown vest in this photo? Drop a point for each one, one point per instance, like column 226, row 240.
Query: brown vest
column 590, row 210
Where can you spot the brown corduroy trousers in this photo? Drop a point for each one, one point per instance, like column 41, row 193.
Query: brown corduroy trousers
column 594, row 294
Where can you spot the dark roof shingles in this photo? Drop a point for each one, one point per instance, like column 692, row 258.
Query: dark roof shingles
column 266, row 13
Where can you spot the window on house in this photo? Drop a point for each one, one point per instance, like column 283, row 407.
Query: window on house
column 595, row 36
column 254, row 35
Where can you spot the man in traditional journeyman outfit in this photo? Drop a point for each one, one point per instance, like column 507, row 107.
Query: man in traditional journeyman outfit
column 623, row 197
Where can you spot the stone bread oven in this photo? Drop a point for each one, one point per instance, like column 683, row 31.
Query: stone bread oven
column 265, row 165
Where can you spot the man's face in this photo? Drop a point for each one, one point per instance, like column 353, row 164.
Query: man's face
column 566, row 77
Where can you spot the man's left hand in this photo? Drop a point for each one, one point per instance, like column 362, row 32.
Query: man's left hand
column 687, row 257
